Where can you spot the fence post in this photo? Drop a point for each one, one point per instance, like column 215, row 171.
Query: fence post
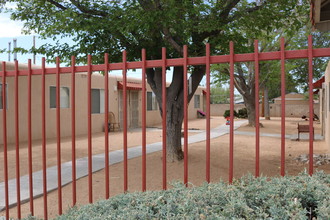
column 256, row 74
column 164, row 116
column 283, row 107
column 58, row 131
column 18, row 182
column 4, row 130
column 231, row 133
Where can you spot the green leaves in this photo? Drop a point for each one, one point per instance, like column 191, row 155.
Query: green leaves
column 290, row 197
column 111, row 26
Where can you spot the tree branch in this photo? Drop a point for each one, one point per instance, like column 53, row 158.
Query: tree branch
column 197, row 75
column 248, row 11
column 227, row 8
column 177, row 84
column 58, row 5
column 86, row 10
column 169, row 38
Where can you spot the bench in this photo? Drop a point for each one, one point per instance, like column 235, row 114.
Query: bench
column 303, row 129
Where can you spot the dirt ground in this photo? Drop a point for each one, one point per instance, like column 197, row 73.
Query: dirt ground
column 244, row 160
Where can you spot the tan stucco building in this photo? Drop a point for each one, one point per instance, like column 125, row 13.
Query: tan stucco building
column 134, row 103
column 324, row 93
column 320, row 14
column 296, row 105
column 320, row 18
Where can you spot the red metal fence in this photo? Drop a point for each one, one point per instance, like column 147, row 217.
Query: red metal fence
column 186, row 61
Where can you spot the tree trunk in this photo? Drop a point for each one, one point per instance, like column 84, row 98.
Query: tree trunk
column 174, row 118
column 267, row 115
column 251, row 110
column 174, row 105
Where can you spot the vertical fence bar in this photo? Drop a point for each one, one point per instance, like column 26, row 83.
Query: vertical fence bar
column 144, row 118
column 282, row 106
column 106, row 119
column 18, row 186
column 89, row 112
column 4, row 129
column 58, row 135
column 125, row 120
column 30, row 136
column 185, row 112
column 311, row 110
column 164, row 116
column 208, row 112
column 73, row 130
column 231, row 133
column 256, row 74
column 43, row 134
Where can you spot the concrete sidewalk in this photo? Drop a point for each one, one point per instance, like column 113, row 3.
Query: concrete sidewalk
column 97, row 164
column 292, row 137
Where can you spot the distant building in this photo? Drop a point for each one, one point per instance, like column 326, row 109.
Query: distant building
column 293, row 99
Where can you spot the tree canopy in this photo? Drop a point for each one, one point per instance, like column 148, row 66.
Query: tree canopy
column 100, row 26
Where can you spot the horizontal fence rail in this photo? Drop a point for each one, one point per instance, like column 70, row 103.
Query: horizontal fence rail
column 124, row 66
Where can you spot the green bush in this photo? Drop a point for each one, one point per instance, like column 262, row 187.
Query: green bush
column 227, row 114
column 291, row 197
column 242, row 113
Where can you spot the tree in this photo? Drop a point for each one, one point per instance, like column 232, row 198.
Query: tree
column 297, row 70
column 99, row 26
column 219, row 95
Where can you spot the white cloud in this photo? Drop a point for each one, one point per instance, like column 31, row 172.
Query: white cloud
column 9, row 28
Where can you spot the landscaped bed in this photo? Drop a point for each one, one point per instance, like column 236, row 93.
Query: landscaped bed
column 291, row 197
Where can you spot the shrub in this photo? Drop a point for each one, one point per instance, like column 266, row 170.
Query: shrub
column 291, row 197
column 227, row 114
column 242, row 113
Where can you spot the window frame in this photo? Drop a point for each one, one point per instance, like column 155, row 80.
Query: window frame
column 62, row 104
column 152, row 104
column 100, row 102
column 1, row 97
column 197, row 102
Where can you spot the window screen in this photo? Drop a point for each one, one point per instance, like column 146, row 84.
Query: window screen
column 152, row 104
column 1, row 96
column 64, row 97
column 97, row 101
column 197, row 101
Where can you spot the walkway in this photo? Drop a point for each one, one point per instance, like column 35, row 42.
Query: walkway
column 98, row 164
column 82, row 167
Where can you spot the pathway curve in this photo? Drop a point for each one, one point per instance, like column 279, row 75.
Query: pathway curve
column 97, row 164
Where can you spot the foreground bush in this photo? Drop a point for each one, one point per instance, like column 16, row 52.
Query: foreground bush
column 298, row 197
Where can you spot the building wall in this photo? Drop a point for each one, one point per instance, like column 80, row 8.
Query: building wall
column 219, row 109
column 293, row 99
column 293, row 110
column 153, row 117
column 326, row 124
column 275, row 109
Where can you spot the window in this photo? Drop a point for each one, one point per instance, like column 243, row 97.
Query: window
column 64, row 97
column 1, row 107
column 197, row 101
column 152, row 104
column 97, row 101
